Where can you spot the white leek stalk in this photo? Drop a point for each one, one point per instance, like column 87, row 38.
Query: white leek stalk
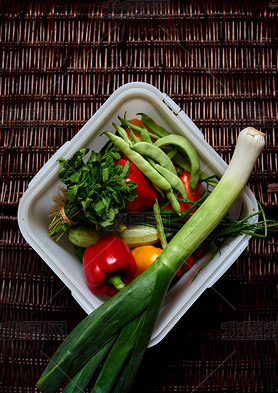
column 250, row 144
column 128, row 318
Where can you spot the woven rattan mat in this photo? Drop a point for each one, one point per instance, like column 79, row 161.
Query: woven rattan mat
column 218, row 62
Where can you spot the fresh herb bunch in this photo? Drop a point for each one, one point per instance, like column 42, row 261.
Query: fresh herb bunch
column 96, row 190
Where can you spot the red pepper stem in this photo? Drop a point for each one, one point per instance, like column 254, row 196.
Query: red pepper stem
column 116, row 281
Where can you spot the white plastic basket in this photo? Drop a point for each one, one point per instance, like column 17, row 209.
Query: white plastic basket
column 34, row 206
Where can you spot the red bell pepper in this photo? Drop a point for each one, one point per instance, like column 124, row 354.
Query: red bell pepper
column 200, row 252
column 146, row 193
column 197, row 254
column 194, row 197
column 188, row 264
column 108, row 265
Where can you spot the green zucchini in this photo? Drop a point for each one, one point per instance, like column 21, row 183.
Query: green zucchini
column 133, row 236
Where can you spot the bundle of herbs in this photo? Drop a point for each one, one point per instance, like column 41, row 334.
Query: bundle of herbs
column 96, row 191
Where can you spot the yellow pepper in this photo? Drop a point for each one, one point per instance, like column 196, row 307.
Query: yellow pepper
column 144, row 256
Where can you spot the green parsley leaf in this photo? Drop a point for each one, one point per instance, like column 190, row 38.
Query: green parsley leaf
column 96, row 190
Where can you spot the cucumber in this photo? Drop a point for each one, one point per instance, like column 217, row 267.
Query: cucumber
column 83, row 237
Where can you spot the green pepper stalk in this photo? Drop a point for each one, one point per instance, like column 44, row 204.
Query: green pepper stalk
column 135, row 308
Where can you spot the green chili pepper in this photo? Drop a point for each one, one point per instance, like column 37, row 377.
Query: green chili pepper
column 188, row 148
column 140, row 162
column 156, row 154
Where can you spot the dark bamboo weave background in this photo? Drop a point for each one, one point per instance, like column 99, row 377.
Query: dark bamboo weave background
column 58, row 65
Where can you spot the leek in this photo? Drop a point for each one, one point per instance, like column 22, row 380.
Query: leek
column 135, row 308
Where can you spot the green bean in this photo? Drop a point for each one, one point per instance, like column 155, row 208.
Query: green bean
column 156, row 154
column 151, row 161
column 185, row 165
column 161, row 132
column 174, row 202
column 134, row 137
column 159, row 190
column 122, row 132
column 152, row 135
column 182, row 162
column 174, row 181
column 140, row 162
column 138, row 128
column 190, row 151
column 128, row 123
column 145, row 135
column 158, row 130
column 159, row 224
column 171, row 152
